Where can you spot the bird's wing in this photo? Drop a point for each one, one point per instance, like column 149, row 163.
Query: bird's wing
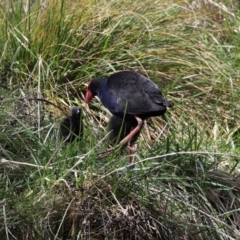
column 152, row 90
column 134, row 92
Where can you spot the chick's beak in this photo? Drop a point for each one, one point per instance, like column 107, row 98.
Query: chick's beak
column 88, row 96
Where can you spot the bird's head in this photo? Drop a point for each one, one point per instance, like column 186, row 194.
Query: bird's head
column 75, row 111
column 94, row 87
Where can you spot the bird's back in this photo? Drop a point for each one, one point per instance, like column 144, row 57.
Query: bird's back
column 136, row 94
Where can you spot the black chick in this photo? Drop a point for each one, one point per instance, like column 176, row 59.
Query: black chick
column 72, row 125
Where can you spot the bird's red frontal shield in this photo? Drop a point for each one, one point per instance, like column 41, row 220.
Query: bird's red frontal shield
column 88, row 96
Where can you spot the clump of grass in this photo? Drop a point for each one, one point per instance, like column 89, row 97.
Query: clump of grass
column 185, row 183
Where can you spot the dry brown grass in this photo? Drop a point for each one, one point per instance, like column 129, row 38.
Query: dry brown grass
column 186, row 181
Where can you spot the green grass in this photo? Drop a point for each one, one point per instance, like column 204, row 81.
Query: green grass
column 185, row 184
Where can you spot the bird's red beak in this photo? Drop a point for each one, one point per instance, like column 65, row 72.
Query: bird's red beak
column 88, row 96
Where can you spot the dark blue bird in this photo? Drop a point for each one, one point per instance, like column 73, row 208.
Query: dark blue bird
column 72, row 125
column 128, row 94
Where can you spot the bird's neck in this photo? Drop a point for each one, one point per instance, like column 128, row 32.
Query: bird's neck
column 102, row 91
column 107, row 98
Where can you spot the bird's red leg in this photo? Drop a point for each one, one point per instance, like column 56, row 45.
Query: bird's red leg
column 129, row 136
column 134, row 131
column 131, row 150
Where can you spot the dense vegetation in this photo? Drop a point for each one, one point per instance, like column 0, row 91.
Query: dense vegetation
column 185, row 184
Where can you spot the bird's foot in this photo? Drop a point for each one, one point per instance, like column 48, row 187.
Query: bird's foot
column 110, row 150
column 132, row 149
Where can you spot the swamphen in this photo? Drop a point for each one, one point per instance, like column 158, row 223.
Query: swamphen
column 72, row 125
column 128, row 94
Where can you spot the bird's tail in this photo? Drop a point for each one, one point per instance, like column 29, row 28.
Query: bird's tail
column 168, row 103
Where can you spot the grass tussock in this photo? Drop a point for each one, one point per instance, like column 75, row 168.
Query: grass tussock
column 185, row 184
